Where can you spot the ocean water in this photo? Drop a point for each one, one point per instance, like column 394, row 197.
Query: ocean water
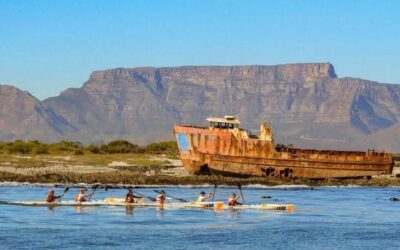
column 325, row 218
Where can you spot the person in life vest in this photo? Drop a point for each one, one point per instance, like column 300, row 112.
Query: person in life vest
column 81, row 197
column 233, row 200
column 130, row 198
column 50, row 197
column 202, row 197
column 161, row 197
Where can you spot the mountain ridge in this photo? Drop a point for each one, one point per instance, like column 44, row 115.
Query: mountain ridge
column 307, row 105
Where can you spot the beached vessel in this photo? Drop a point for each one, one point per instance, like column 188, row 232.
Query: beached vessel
column 224, row 148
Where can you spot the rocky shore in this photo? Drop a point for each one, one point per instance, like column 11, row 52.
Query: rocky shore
column 134, row 169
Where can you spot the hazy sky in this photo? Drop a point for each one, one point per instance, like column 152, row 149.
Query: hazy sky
column 48, row 46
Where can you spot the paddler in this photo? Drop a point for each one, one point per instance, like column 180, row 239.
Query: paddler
column 81, row 196
column 202, row 197
column 233, row 200
column 50, row 197
column 130, row 198
column 161, row 197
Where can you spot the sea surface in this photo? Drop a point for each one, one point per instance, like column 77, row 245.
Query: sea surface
column 325, row 218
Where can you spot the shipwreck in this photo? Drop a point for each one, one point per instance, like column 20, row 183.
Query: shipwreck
column 223, row 148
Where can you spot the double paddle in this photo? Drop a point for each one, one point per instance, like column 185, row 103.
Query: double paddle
column 176, row 198
column 94, row 188
column 215, row 187
column 241, row 193
column 65, row 190
column 148, row 197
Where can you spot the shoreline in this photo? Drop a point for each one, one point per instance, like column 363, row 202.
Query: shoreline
column 124, row 179
column 188, row 186
column 141, row 170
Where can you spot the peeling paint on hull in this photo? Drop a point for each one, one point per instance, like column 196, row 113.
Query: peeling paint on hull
column 223, row 152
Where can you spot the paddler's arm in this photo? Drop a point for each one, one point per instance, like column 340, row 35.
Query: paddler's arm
column 238, row 203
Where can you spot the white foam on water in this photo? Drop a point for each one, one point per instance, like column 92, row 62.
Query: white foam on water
column 260, row 186
column 253, row 186
column 14, row 183
column 250, row 186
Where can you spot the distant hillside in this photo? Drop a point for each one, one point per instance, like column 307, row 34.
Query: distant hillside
column 306, row 104
column 23, row 116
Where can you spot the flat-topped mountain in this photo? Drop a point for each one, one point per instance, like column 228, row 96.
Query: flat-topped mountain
column 307, row 105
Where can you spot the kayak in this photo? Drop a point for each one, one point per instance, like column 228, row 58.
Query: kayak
column 261, row 206
column 217, row 205
column 264, row 206
column 112, row 201
column 109, row 202
column 58, row 203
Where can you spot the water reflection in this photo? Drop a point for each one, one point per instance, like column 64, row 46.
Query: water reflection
column 233, row 213
column 129, row 210
column 80, row 209
column 160, row 212
column 50, row 208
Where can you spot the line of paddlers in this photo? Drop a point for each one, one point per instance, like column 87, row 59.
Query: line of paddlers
column 133, row 196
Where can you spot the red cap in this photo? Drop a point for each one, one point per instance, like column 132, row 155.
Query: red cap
column 52, row 191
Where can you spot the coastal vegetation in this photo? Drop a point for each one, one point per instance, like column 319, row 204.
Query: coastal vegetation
column 35, row 147
column 116, row 161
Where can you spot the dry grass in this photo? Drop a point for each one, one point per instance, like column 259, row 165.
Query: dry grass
column 29, row 161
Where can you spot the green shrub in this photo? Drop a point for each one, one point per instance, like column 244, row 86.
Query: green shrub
column 113, row 147
column 35, row 142
column 19, row 147
column 78, row 152
column 41, row 149
column 119, row 147
column 94, row 149
column 65, row 146
column 162, row 147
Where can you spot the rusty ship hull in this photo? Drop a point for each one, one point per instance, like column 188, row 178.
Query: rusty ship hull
column 232, row 152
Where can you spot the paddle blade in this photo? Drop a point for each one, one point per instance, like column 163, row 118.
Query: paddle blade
column 241, row 193
column 213, row 194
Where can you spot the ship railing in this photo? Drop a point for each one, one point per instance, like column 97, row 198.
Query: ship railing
column 344, row 155
column 191, row 125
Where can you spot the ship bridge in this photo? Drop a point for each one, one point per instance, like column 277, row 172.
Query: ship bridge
column 227, row 121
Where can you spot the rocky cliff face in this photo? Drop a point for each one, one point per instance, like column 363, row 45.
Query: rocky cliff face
column 306, row 104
